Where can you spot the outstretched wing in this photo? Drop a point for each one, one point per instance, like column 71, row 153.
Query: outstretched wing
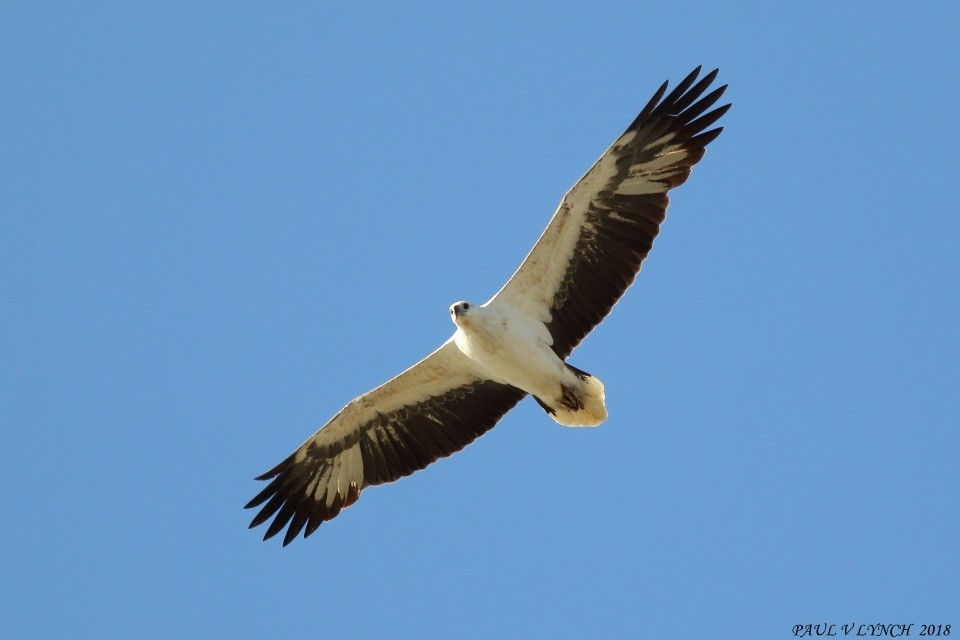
column 605, row 225
column 431, row 410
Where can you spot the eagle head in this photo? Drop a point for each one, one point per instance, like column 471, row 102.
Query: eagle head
column 459, row 310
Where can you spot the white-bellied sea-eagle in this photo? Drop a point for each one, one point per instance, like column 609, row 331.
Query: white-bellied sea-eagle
column 518, row 341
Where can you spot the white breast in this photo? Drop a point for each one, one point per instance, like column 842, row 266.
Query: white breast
column 511, row 347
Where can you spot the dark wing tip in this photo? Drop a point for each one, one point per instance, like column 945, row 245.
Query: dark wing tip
column 705, row 138
column 651, row 105
column 273, row 473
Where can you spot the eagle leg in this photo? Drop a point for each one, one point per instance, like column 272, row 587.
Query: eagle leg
column 570, row 398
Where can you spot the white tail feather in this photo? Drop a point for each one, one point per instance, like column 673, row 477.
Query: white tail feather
column 594, row 407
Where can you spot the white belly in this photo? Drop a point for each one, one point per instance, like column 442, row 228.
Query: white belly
column 512, row 349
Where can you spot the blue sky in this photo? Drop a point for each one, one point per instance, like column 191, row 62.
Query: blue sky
column 222, row 221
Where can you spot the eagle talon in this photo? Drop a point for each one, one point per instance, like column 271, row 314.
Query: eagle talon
column 570, row 398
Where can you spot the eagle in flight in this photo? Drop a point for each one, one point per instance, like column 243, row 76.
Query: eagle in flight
column 517, row 342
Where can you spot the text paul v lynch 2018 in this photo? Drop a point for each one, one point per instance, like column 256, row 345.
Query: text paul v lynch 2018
column 878, row 630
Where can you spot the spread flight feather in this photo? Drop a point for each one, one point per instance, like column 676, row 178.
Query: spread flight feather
column 517, row 342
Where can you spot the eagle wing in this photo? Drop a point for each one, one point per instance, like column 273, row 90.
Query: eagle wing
column 431, row 410
column 592, row 248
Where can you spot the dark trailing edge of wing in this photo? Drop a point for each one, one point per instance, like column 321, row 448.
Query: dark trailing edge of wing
column 620, row 229
column 393, row 445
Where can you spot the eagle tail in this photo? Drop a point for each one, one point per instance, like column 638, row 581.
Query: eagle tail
column 579, row 404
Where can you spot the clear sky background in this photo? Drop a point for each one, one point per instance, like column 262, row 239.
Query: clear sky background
column 219, row 222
